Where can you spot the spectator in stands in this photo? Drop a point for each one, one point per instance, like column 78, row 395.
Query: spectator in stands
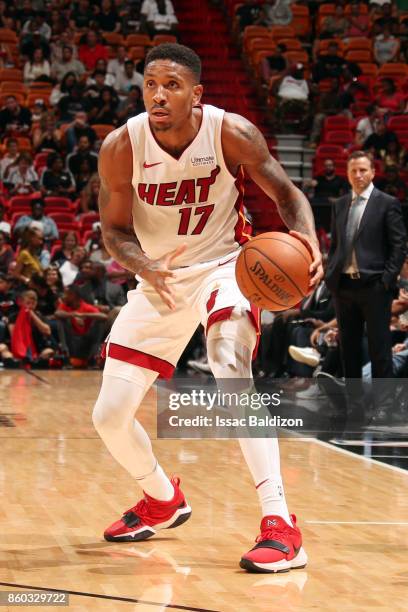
column 377, row 143
column 335, row 25
column 37, row 68
column 365, row 125
column 104, row 107
column 30, row 334
column 386, row 47
column 328, row 64
column 274, row 64
column 29, row 258
column 70, row 268
column 69, row 244
column 6, row 252
column 58, row 23
column 33, row 42
column 328, row 186
column 83, row 151
column 5, row 226
column 71, row 104
column 132, row 19
column 59, row 68
column 37, row 24
column 47, row 299
column 9, row 159
column 101, row 66
column 108, row 18
column 390, row 101
column 8, row 304
column 55, row 180
column 82, row 16
column 80, row 127
column 90, row 194
column 127, row 79
column 385, row 19
column 131, row 106
column 14, row 118
column 394, row 154
column 92, row 50
column 53, row 279
column 97, row 289
column 359, row 22
column 83, row 176
column 160, row 17
column 392, row 183
column 22, row 179
column 69, row 81
column 47, row 226
column 47, row 137
column 6, row 58
column 329, row 103
column 83, row 325
column 116, row 66
column 275, row 12
column 66, row 39
column 247, row 13
column 293, row 94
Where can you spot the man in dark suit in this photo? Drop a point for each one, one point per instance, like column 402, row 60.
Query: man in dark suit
column 365, row 258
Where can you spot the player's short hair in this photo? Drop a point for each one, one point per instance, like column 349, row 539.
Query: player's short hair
column 179, row 54
column 359, row 155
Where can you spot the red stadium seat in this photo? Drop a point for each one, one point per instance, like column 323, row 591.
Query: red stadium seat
column 62, row 204
column 398, row 122
column 342, row 137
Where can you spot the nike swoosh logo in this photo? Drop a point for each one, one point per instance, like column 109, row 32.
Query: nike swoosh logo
column 145, row 165
column 223, row 264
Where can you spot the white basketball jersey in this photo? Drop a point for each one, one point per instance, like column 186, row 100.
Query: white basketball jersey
column 193, row 199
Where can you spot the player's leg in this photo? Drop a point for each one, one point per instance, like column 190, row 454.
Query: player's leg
column 229, row 345
column 145, row 341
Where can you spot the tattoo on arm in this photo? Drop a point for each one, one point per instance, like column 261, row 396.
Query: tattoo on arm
column 121, row 242
column 292, row 204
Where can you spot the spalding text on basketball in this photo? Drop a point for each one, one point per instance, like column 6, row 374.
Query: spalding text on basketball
column 269, row 282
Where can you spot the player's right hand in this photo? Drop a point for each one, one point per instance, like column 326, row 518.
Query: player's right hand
column 157, row 272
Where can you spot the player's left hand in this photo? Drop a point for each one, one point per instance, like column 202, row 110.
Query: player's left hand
column 316, row 267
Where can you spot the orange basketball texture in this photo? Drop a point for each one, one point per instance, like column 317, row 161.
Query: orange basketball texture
column 272, row 271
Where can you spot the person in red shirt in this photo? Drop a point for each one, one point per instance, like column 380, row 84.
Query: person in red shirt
column 82, row 325
column 92, row 51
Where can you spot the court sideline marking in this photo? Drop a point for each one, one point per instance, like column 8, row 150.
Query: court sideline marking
column 110, row 597
column 394, row 468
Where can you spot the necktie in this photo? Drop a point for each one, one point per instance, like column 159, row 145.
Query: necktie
column 353, row 221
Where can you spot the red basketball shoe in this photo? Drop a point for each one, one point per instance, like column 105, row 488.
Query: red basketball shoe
column 143, row 520
column 278, row 548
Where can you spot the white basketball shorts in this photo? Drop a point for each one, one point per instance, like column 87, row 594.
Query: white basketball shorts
column 148, row 334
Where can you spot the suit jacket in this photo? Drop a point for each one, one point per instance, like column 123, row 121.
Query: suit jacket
column 380, row 242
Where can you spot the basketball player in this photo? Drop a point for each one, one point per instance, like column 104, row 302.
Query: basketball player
column 178, row 171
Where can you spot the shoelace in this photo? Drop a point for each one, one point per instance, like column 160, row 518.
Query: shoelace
column 140, row 509
column 273, row 534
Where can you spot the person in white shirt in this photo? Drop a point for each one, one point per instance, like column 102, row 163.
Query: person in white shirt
column 70, row 268
column 116, row 66
column 160, row 17
column 36, row 68
column 129, row 78
column 293, row 98
column 365, row 125
column 37, row 24
column 9, row 159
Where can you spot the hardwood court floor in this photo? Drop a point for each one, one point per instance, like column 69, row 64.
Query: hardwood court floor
column 60, row 488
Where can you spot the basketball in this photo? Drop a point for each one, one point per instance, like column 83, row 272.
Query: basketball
column 272, row 271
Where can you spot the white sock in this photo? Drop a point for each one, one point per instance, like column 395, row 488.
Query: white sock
column 125, row 438
column 229, row 349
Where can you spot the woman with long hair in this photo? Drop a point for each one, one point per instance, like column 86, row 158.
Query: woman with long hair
column 90, row 194
column 28, row 259
column 47, row 136
column 37, row 68
column 69, row 243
